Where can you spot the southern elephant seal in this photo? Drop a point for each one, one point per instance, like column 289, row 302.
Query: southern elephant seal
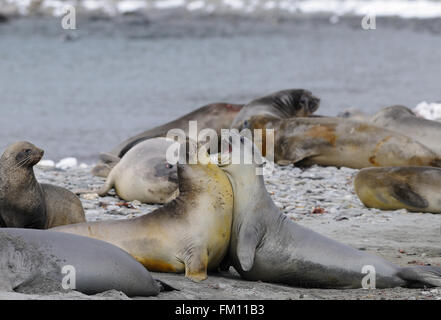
column 25, row 203
column 144, row 174
column 216, row 116
column 267, row 246
column 37, row 261
column 340, row 142
column 413, row 188
column 403, row 120
column 191, row 233
column 282, row 104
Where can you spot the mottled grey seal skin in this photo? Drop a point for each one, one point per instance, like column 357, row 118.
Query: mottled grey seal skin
column 282, row 104
column 329, row 141
column 215, row 116
column 32, row 261
column 416, row 189
column 25, row 203
column 403, row 120
column 267, row 246
column 144, row 174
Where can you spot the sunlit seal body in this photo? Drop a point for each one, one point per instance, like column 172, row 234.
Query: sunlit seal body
column 25, row 203
column 412, row 188
column 282, row 104
column 341, row 142
column 190, row 233
column 404, row 121
column 36, row 261
column 215, row 116
column 144, row 174
column 267, row 246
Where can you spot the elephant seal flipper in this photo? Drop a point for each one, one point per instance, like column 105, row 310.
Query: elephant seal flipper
column 189, row 234
column 405, row 194
column 393, row 188
column 291, row 254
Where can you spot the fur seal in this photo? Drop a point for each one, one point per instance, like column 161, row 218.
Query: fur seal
column 267, row 246
column 25, row 203
column 191, row 233
column 412, row 188
column 282, row 104
column 144, row 174
column 35, row 261
column 216, row 116
column 403, row 120
column 341, row 142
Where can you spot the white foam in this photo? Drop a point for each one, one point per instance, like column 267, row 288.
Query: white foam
column 431, row 111
column 67, row 163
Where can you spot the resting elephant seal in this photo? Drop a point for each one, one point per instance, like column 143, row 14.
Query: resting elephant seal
column 267, row 246
column 404, row 121
column 341, row 142
column 144, row 174
column 216, row 116
column 36, row 261
column 281, row 104
column 413, row 188
column 25, row 203
column 190, row 233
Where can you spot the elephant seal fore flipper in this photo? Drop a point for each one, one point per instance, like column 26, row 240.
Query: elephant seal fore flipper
column 25, row 203
column 37, row 261
column 413, row 188
column 190, row 234
column 266, row 245
column 339, row 142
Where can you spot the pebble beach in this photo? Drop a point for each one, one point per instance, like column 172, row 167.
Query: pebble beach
column 319, row 198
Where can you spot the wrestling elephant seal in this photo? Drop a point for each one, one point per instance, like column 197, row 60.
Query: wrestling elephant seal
column 403, row 120
column 267, row 246
column 412, row 188
column 215, row 116
column 282, row 104
column 25, row 203
column 191, row 233
column 36, row 261
column 144, row 174
column 340, row 142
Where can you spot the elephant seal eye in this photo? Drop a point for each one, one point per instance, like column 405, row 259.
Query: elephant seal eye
column 169, row 166
column 242, row 140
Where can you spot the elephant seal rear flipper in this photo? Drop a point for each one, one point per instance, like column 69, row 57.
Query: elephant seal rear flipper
column 267, row 246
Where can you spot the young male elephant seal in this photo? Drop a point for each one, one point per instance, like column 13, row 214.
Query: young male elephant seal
column 267, row 246
column 403, row 120
column 144, row 174
column 216, row 116
column 413, row 188
column 282, row 104
column 190, row 233
column 341, row 142
column 37, row 261
column 25, row 203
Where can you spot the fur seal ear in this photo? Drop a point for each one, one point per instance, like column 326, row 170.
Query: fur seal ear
column 246, row 247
